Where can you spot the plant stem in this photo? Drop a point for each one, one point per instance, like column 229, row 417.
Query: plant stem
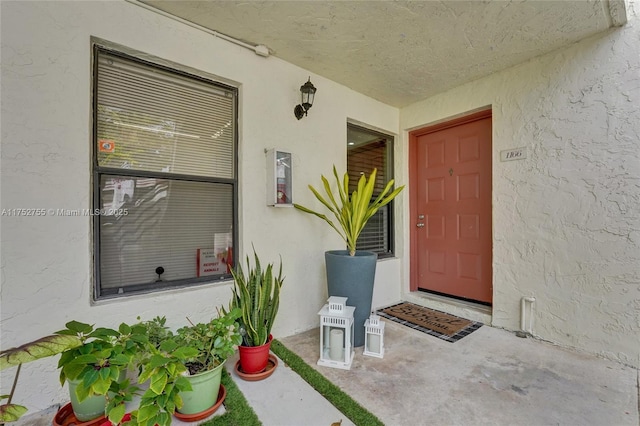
column 13, row 387
column 15, row 383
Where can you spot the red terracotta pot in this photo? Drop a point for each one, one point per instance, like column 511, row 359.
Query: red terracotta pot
column 267, row 372
column 253, row 359
column 66, row 417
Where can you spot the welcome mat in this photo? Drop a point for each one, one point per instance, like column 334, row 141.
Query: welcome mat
column 436, row 323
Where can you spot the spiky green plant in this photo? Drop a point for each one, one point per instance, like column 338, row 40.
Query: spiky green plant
column 352, row 212
column 257, row 295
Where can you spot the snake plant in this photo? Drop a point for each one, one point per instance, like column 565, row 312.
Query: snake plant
column 257, row 294
column 352, row 211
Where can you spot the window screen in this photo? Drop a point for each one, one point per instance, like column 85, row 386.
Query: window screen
column 164, row 176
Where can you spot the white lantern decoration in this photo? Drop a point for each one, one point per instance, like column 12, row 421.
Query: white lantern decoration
column 336, row 334
column 374, row 336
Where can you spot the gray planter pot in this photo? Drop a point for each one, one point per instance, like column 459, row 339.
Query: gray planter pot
column 352, row 277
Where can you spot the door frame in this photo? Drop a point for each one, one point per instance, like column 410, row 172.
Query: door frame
column 413, row 188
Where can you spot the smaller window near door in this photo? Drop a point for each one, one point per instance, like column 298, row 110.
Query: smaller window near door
column 368, row 150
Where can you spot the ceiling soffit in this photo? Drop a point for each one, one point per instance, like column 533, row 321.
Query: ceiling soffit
column 401, row 52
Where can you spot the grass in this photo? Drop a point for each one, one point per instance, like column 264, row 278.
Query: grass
column 238, row 411
column 343, row 402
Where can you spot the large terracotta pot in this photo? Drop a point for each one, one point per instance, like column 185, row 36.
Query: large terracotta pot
column 353, row 277
column 253, row 359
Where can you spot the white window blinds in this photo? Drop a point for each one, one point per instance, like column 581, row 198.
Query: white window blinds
column 163, row 122
column 165, row 176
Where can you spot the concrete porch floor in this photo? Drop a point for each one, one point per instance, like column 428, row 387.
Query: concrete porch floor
column 489, row 377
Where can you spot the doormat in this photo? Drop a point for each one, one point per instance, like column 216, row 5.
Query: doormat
column 436, row 323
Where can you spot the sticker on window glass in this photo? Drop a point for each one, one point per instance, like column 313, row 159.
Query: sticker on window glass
column 106, row 145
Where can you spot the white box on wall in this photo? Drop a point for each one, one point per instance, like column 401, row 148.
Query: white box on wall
column 279, row 178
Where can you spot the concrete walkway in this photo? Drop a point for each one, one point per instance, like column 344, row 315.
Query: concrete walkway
column 284, row 398
column 489, row 377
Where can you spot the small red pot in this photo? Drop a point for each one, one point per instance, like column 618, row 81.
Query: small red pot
column 253, row 359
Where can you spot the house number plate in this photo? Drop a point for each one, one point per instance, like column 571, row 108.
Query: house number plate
column 513, row 154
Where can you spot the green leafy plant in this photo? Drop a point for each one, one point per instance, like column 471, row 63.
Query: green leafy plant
column 163, row 369
column 156, row 330
column 257, row 296
column 214, row 341
column 100, row 361
column 351, row 211
column 169, row 357
column 14, row 357
column 97, row 357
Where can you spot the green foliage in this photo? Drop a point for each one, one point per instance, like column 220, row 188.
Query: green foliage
column 163, row 369
column 214, row 341
column 343, row 402
column 257, row 296
column 97, row 357
column 41, row 348
column 11, row 412
column 99, row 362
column 351, row 212
column 157, row 330
column 166, row 356
column 120, row 393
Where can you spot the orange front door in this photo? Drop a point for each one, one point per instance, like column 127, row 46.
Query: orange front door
column 451, row 210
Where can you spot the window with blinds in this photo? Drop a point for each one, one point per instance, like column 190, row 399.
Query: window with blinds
column 368, row 150
column 164, row 176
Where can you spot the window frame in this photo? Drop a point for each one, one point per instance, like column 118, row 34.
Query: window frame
column 389, row 173
column 97, row 172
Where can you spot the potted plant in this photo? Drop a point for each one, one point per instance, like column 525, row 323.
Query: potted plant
column 96, row 369
column 257, row 296
column 351, row 273
column 94, row 362
column 160, row 364
column 211, row 343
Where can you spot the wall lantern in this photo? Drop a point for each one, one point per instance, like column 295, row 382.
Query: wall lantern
column 307, row 92
column 336, row 334
column 374, row 337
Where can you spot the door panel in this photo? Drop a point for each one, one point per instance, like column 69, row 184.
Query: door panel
column 452, row 209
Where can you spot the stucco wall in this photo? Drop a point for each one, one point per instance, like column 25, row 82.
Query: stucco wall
column 46, row 262
column 566, row 225
column 566, row 221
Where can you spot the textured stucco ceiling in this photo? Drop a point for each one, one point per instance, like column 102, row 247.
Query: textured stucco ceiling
column 400, row 52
